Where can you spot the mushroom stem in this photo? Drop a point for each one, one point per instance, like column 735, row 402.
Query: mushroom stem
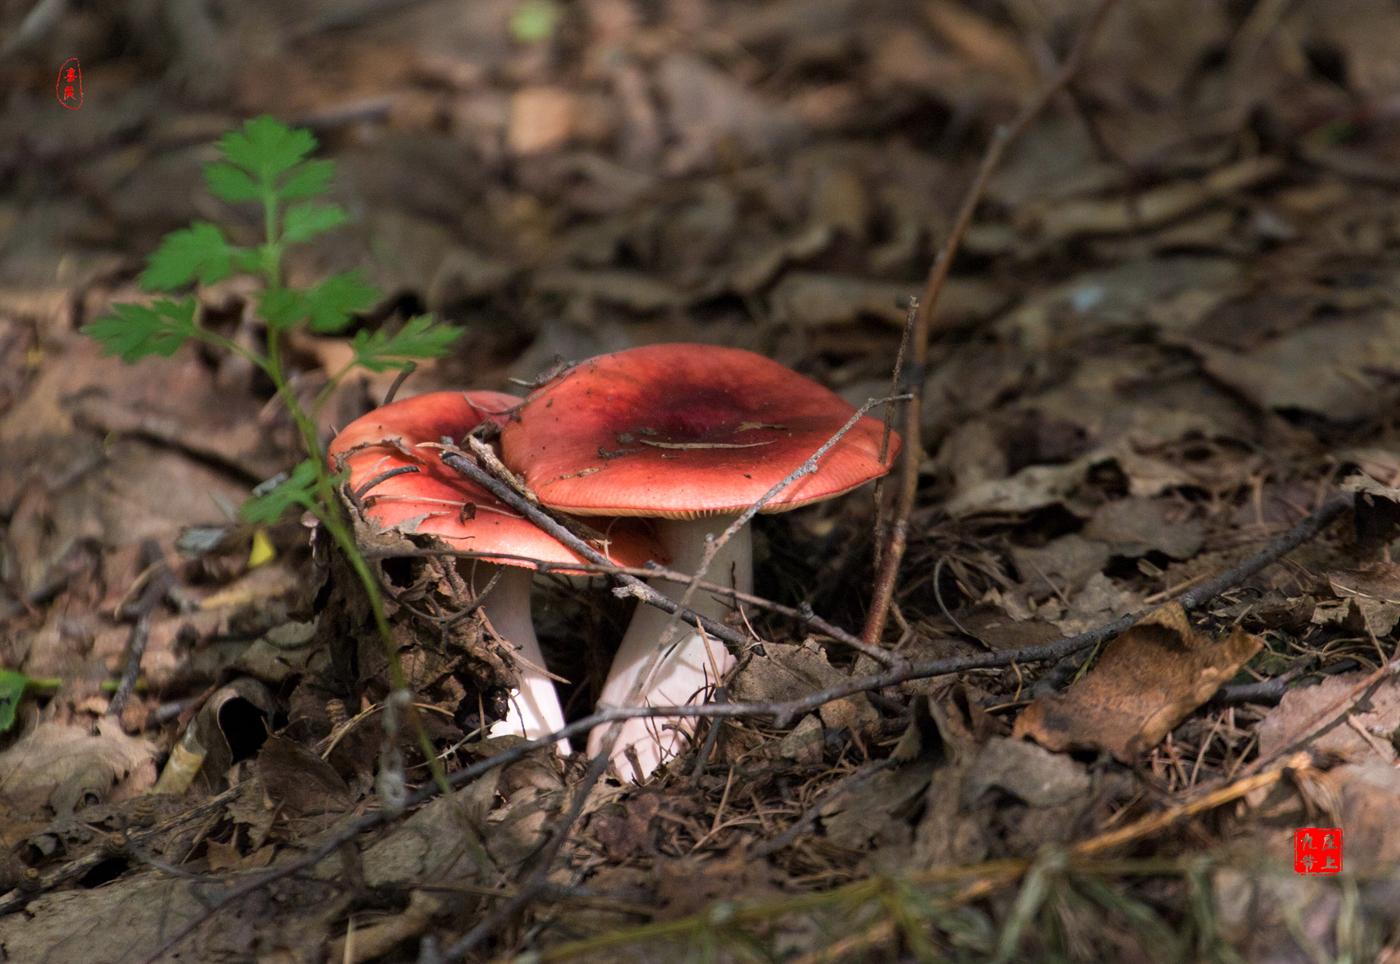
column 534, row 708
column 684, row 673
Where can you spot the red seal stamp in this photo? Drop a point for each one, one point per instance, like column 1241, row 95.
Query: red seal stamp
column 1317, row 850
column 69, row 87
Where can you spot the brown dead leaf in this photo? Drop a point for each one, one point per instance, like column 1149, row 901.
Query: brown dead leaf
column 710, row 110
column 124, row 921
column 624, row 828
column 1063, row 565
column 686, row 885
column 298, row 781
column 1147, row 681
column 630, row 289
column 1366, row 729
column 876, row 810
column 1123, row 296
column 1134, row 527
column 541, row 119
column 789, row 672
column 1336, row 367
column 1027, row 772
column 64, row 767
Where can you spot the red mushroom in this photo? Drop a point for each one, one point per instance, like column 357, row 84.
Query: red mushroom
column 434, row 500
column 691, row 435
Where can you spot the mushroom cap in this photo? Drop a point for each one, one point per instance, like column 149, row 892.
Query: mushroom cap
column 680, row 430
column 440, row 502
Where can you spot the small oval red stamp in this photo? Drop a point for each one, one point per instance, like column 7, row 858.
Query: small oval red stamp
column 69, row 88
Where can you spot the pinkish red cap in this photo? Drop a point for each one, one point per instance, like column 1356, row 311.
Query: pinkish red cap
column 440, row 502
column 681, row 430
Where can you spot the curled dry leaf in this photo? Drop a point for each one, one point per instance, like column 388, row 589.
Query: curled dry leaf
column 1146, row 682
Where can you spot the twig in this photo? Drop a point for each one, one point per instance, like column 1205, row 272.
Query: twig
column 158, row 581
column 398, row 381
column 897, row 533
column 897, row 386
column 358, row 496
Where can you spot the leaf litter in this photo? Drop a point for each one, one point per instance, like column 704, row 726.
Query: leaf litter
column 1169, row 332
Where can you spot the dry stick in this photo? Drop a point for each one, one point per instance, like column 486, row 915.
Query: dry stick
column 1285, row 542
column 898, row 531
column 158, row 583
column 896, row 383
column 398, row 381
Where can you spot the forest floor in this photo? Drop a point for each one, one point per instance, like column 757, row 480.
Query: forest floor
column 1169, row 345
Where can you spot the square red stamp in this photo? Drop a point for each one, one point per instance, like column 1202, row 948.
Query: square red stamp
column 1317, row 850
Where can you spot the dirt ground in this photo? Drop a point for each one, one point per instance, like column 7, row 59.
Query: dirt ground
column 1169, row 345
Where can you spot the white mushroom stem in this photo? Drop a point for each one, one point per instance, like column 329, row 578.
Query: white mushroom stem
column 642, row 676
column 534, row 708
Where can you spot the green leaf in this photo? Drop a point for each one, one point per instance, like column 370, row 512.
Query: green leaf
column 12, row 685
column 248, row 261
column 272, row 499
column 534, row 20
column 309, row 218
column 333, row 302
column 265, row 147
column 281, row 308
column 231, row 183
column 198, row 252
column 420, row 337
column 135, row 331
column 307, row 179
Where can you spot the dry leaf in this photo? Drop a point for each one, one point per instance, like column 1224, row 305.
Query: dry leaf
column 1146, row 682
column 1366, row 728
column 1134, row 527
column 63, row 766
column 299, row 782
column 1027, row 772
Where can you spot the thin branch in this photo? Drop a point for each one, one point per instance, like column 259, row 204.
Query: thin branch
column 358, row 496
column 897, row 533
column 398, row 381
column 158, row 582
